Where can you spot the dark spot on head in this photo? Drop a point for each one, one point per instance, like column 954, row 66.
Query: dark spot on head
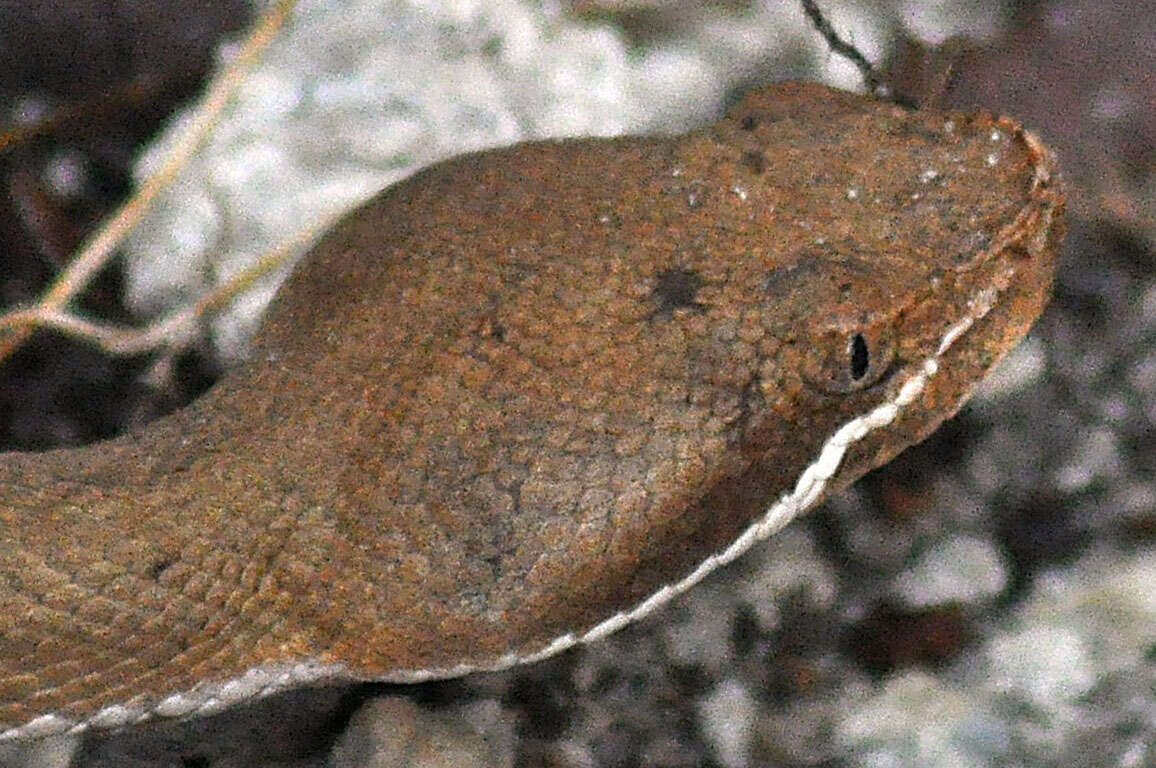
column 754, row 161
column 498, row 332
column 749, row 122
column 156, row 569
column 676, row 288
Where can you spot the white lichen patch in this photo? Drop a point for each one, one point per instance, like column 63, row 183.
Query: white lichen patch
column 963, row 569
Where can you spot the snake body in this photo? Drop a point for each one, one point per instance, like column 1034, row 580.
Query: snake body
column 523, row 398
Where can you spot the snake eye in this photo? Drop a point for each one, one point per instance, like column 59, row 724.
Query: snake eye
column 847, row 362
column 860, row 357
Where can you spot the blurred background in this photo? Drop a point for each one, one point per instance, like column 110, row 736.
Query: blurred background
column 987, row 599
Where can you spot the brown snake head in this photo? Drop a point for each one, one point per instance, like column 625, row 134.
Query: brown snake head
column 522, row 399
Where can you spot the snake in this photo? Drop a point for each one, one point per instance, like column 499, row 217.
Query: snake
column 524, row 398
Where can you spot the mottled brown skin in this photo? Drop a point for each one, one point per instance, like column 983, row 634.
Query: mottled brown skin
column 520, row 392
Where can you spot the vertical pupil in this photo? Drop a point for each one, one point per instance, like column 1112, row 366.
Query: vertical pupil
column 859, row 357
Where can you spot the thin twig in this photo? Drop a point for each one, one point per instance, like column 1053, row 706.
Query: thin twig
column 173, row 328
column 169, row 329
column 96, row 251
column 871, row 79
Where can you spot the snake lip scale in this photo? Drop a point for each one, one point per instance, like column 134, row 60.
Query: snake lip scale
column 525, row 398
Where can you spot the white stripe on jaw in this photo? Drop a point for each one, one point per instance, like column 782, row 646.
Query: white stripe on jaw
column 809, row 488
column 262, row 681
